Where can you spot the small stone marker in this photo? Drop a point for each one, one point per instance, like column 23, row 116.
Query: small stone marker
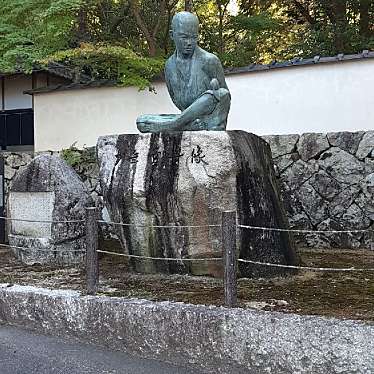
column 49, row 191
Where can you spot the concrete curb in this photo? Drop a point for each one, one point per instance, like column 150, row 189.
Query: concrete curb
column 217, row 340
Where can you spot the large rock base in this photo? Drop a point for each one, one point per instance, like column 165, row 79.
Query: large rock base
column 186, row 180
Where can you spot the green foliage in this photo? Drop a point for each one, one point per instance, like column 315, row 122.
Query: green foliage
column 78, row 157
column 110, row 62
column 32, row 29
column 72, row 155
column 113, row 39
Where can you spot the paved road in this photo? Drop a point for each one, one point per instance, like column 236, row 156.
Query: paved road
column 23, row 352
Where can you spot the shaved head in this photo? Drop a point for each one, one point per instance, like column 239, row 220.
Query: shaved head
column 185, row 31
column 184, row 18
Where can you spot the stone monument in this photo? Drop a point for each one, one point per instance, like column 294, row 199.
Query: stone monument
column 48, row 191
column 184, row 179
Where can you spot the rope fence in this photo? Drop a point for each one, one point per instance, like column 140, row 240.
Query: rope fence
column 38, row 221
column 304, row 231
column 230, row 261
column 160, row 258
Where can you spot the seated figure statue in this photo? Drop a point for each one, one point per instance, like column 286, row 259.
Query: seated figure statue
column 196, row 84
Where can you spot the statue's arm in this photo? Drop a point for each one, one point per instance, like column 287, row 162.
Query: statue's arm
column 216, row 71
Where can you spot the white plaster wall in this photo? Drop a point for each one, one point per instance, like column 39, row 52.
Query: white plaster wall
column 13, row 92
column 81, row 116
column 321, row 98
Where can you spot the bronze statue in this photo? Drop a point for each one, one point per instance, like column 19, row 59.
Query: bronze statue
column 196, row 84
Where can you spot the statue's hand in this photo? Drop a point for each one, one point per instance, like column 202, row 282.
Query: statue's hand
column 198, row 125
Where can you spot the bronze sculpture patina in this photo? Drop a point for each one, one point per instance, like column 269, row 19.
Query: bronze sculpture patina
column 196, row 84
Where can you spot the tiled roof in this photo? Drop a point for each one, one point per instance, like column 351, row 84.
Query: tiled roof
column 57, row 69
column 301, row 62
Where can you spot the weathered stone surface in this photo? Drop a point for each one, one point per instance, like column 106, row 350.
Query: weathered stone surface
column 327, row 240
column 189, row 179
column 366, row 146
column 347, row 141
column 48, row 190
column 297, row 174
column 325, row 185
column 356, row 217
column 311, row 145
column 341, row 202
column 312, row 202
column 366, row 200
column 282, row 163
column 342, row 166
column 9, row 173
column 281, row 145
column 15, row 160
column 298, row 218
column 217, row 340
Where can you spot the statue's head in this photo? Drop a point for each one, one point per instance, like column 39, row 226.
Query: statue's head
column 185, row 31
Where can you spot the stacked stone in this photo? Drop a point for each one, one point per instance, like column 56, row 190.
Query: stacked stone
column 327, row 183
column 14, row 162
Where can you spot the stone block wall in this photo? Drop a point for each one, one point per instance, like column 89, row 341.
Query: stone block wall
column 327, row 183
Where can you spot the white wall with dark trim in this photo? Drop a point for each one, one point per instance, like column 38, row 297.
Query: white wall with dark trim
column 311, row 98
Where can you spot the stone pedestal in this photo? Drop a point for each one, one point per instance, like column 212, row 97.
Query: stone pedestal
column 189, row 179
column 49, row 191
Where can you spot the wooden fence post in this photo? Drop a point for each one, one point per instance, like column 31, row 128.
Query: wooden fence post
column 229, row 256
column 92, row 240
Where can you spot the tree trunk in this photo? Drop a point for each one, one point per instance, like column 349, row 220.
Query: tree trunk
column 303, row 10
column 222, row 9
column 337, row 13
column 82, row 31
column 364, row 18
column 220, row 31
column 150, row 35
column 188, row 4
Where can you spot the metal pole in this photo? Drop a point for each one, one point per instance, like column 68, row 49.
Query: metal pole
column 92, row 240
column 229, row 256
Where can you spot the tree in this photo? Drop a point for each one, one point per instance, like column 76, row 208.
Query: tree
column 83, row 34
column 100, row 61
column 31, row 29
column 262, row 31
column 149, row 31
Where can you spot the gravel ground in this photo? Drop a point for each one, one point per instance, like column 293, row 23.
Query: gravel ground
column 342, row 295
